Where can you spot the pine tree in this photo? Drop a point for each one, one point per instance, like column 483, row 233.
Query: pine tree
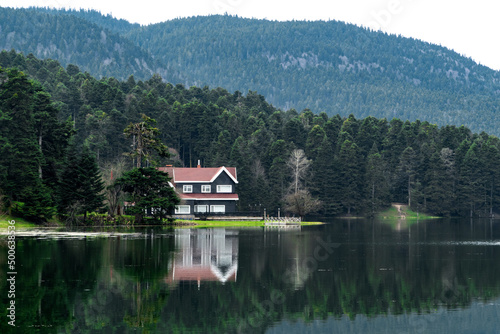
column 241, row 159
column 470, row 180
column 439, row 187
column 407, row 170
column 350, row 175
column 278, row 172
column 315, row 139
column 377, row 182
column 149, row 189
column 490, row 156
column 92, row 185
column 325, row 179
column 80, row 186
column 145, row 141
column 22, row 153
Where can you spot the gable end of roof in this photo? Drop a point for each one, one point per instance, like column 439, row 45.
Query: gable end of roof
column 224, row 169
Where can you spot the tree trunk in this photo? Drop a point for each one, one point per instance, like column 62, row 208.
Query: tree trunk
column 491, row 199
column 373, row 198
column 297, row 177
column 409, row 191
column 40, row 165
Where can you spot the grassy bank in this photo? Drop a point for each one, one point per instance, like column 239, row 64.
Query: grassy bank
column 20, row 222
column 97, row 220
column 393, row 213
column 227, row 223
column 402, row 219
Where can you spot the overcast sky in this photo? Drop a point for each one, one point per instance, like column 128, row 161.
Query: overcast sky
column 471, row 28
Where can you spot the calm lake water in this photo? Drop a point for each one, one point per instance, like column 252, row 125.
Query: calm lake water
column 348, row 276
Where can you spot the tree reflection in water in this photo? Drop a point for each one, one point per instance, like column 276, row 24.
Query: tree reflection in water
column 248, row 280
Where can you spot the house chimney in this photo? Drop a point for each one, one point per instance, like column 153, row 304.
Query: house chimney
column 199, row 165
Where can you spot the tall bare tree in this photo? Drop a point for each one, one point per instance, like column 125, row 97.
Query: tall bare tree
column 299, row 200
column 299, row 165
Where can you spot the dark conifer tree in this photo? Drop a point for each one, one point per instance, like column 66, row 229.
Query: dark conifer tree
column 22, row 155
column 150, row 192
column 325, row 180
column 406, row 171
column 80, row 186
column 350, row 175
column 377, row 181
column 470, row 181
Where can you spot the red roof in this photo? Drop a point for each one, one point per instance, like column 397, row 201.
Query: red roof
column 208, row 196
column 181, row 175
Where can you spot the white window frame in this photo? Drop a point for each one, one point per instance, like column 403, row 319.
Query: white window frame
column 225, row 188
column 212, row 208
column 187, row 188
column 206, row 188
column 181, row 209
column 197, row 208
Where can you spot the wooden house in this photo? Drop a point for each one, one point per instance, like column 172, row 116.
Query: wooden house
column 203, row 190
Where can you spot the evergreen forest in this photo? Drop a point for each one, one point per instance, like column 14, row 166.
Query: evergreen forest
column 61, row 127
column 326, row 66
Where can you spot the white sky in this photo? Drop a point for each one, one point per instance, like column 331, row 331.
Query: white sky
column 469, row 27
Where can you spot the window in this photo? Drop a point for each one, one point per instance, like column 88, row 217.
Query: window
column 225, row 188
column 201, row 208
column 218, row 208
column 206, row 188
column 187, row 189
column 182, row 209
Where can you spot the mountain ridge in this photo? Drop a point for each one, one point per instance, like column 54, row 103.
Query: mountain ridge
column 73, row 40
column 325, row 66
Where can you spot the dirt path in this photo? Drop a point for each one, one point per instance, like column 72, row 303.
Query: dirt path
column 401, row 209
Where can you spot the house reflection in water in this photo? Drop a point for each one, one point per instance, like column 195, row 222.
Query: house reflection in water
column 204, row 255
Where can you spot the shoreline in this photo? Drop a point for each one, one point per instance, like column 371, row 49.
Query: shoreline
column 23, row 225
column 230, row 223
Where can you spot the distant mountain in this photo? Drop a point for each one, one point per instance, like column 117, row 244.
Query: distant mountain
column 330, row 67
column 118, row 26
column 74, row 40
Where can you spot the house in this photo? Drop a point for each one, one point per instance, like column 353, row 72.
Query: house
column 204, row 190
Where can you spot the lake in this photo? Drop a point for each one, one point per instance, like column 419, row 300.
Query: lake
column 347, row 276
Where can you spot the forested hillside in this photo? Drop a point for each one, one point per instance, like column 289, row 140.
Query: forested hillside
column 74, row 40
column 356, row 164
column 108, row 22
column 329, row 67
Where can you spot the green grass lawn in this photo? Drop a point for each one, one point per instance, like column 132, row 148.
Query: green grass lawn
column 20, row 222
column 392, row 213
column 392, row 217
column 227, row 223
